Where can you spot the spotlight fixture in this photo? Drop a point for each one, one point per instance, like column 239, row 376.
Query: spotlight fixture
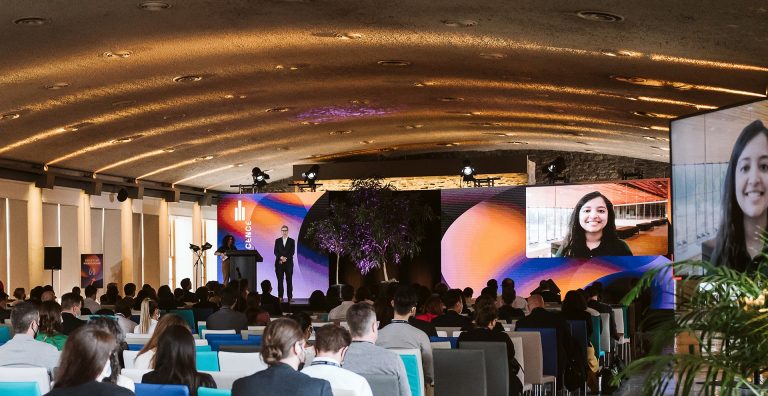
column 467, row 172
column 553, row 170
column 340, row 132
column 121, row 54
column 278, row 109
column 122, row 195
column 599, row 16
column 311, row 176
column 31, row 21
column 204, row 158
column 394, row 62
column 154, row 5
column 57, row 86
column 259, row 177
column 187, row 78
column 9, row 116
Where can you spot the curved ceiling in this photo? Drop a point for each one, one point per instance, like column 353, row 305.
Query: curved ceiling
column 199, row 92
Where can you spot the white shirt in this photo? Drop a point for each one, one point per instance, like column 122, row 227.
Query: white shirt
column 521, row 303
column 126, row 383
column 340, row 312
column 126, row 324
column 142, row 362
column 330, row 370
column 152, row 325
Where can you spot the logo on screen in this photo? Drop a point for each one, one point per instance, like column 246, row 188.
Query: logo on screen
column 239, row 211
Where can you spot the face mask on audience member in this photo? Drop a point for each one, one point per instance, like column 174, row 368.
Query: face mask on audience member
column 35, row 329
column 300, row 352
column 106, row 372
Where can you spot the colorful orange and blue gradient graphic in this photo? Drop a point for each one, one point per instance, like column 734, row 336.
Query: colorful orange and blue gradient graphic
column 484, row 238
column 267, row 213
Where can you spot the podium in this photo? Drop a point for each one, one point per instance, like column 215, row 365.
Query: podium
column 243, row 266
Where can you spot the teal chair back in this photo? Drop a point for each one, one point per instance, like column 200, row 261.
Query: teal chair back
column 189, row 317
column 207, row 361
column 5, row 334
column 19, row 388
column 595, row 338
column 201, row 391
column 412, row 371
column 203, row 348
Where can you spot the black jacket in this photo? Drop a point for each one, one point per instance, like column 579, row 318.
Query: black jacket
column 453, row 319
column 281, row 379
column 91, row 388
column 288, row 250
column 69, row 323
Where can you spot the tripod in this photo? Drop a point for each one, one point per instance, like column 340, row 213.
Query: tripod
column 199, row 263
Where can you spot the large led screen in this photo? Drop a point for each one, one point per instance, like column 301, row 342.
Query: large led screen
column 484, row 237
column 720, row 184
column 255, row 221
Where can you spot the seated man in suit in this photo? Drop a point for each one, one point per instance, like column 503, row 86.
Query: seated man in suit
column 452, row 316
column 70, row 312
column 23, row 350
column 363, row 356
column 227, row 318
column 269, row 302
column 541, row 318
column 508, row 312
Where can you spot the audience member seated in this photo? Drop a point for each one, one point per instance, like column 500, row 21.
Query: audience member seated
column 253, row 311
column 305, row 324
column 115, row 377
column 520, row 302
column 331, row 344
column 548, row 291
column 364, row 356
column 452, row 316
column 150, row 313
column 242, row 297
column 48, row 295
column 90, row 299
column 145, row 359
column 486, row 321
column 175, row 362
column 19, row 294
column 467, row 293
column 541, row 318
column 440, row 289
column 507, row 312
column 202, row 295
column 269, row 302
column 5, row 313
column 283, row 350
column 575, row 308
column 112, row 296
column 595, row 304
column 186, row 286
column 123, row 316
column 23, row 350
column 84, row 362
column 363, row 294
column 226, row 318
column 383, row 304
column 332, row 298
column 340, row 312
column 433, row 308
column 36, row 293
column 400, row 334
column 70, row 312
column 165, row 299
column 50, row 325
column 317, row 301
column 486, row 299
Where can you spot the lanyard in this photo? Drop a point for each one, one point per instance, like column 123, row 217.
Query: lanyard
column 324, row 363
column 399, row 321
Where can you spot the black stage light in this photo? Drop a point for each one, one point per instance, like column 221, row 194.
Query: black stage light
column 467, row 172
column 194, row 247
column 206, row 246
column 122, row 195
column 310, row 177
column 259, row 177
column 553, row 170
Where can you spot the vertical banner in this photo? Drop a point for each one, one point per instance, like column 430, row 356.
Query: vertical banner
column 92, row 270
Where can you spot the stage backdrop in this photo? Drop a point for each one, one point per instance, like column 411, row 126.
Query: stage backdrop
column 255, row 221
column 484, row 237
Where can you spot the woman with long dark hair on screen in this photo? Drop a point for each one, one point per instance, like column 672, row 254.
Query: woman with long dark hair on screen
column 227, row 245
column 745, row 199
column 592, row 230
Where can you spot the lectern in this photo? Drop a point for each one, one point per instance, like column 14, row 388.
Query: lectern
column 243, row 264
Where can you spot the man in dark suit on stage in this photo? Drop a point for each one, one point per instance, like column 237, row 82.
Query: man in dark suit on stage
column 284, row 250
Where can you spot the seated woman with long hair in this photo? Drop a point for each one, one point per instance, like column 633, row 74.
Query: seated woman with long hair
column 432, row 308
column 592, row 230
column 50, row 325
column 145, row 359
column 283, row 350
column 255, row 314
column 175, row 362
column 150, row 313
column 112, row 327
column 85, row 360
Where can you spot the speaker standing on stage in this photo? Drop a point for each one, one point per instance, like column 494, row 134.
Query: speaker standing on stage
column 227, row 245
column 284, row 249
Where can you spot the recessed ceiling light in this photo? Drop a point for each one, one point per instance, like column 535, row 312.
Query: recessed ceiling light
column 283, row 148
column 279, row 109
column 169, row 149
column 123, row 103
column 447, row 144
column 459, row 23
column 387, row 149
column 366, row 141
column 485, row 124
column 125, row 139
column 188, row 78
column 517, row 142
column 337, row 35
column 394, row 62
column 10, row 116
column 599, row 16
column 611, row 52
column 498, row 134
column 240, row 165
column 57, row 86
column 652, row 115
column 121, row 54
column 493, row 55
column 341, row 132
column 234, row 96
column 204, row 158
column 32, row 21
column 450, row 99
column 309, row 123
column 174, row 116
column 154, row 5
column 78, row 126
column 649, row 138
column 412, row 126
column 291, row 67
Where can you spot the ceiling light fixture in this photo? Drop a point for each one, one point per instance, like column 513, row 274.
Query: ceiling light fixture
column 618, row 53
column 342, row 132
column 78, row 126
column 125, row 139
column 394, row 62
column 204, row 158
column 366, row 141
column 463, row 23
column 412, row 126
column 121, row 54
column 447, row 144
column 32, row 21
column 517, row 142
column 492, row 55
column 450, row 99
column 278, row 109
column 599, row 16
column 154, row 5
column 169, row 149
column 10, row 116
column 337, row 35
column 57, row 86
